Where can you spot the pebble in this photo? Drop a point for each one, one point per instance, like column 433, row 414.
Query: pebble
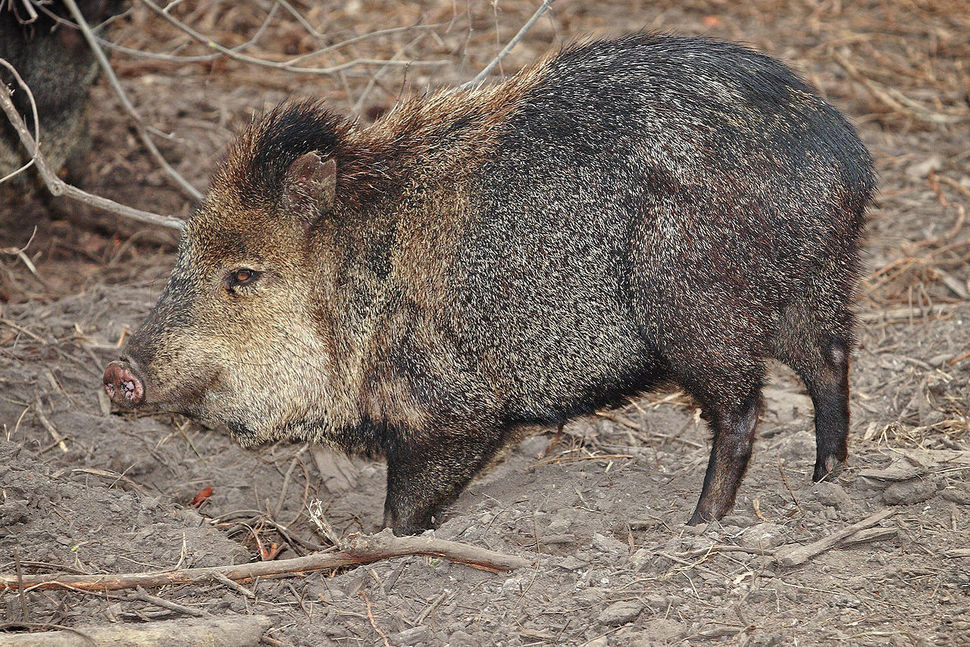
column 739, row 520
column 764, row 535
column 958, row 493
column 610, row 545
column 908, row 492
column 832, row 495
column 620, row 613
column 413, row 636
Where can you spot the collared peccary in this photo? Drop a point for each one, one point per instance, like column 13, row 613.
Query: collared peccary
column 626, row 213
column 59, row 67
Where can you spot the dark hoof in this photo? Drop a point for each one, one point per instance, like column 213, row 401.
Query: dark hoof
column 828, row 470
column 699, row 518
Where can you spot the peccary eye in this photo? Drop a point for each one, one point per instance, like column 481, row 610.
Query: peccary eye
column 240, row 277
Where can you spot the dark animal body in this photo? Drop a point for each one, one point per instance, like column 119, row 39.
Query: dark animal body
column 624, row 214
column 58, row 66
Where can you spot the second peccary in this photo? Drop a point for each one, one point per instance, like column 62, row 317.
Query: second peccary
column 626, row 213
column 54, row 61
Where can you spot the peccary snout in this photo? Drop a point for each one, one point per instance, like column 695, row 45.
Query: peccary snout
column 123, row 385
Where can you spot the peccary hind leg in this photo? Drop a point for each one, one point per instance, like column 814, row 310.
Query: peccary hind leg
column 423, row 477
column 829, row 389
column 734, row 429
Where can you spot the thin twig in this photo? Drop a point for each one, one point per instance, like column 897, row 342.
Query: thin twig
column 508, row 47
column 20, row 583
column 145, row 596
column 58, row 438
column 238, row 56
column 235, row 586
column 363, row 549
column 290, row 9
column 82, row 24
column 784, row 478
column 790, row 555
column 33, row 111
column 357, row 39
column 370, row 616
column 59, row 187
column 576, row 459
column 379, row 73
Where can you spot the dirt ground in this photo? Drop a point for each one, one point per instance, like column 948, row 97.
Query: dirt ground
column 601, row 509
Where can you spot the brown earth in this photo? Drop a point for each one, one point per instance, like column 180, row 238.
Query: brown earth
column 601, row 509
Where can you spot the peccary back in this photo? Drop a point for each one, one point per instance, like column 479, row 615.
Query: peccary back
column 628, row 212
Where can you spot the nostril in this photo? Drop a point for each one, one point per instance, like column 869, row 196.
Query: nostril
column 122, row 385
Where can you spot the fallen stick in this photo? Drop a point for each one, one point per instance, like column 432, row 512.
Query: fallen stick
column 213, row 631
column 798, row 555
column 362, row 549
column 59, row 187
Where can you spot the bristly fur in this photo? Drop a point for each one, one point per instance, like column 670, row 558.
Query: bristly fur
column 624, row 213
column 258, row 161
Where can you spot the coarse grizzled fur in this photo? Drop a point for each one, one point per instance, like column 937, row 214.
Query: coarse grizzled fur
column 625, row 213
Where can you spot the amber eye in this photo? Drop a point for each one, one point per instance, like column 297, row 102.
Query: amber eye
column 241, row 276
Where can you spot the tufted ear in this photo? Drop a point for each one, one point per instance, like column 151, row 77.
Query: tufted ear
column 310, row 182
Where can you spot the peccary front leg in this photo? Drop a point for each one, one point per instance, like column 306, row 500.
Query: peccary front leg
column 734, row 429
column 422, row 477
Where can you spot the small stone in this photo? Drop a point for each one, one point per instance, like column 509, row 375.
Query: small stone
column 462, row 639
column 413, row 636
column 832, row 495
column 908, row 492
column 641, row 559
column 739, row 520
column 571, row 563
column 958, row 493
column 620, row 613
column 606, row 544
column 657, row 602
column 764, row 536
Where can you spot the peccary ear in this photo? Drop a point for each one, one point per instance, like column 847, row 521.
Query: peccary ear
column 310, row 181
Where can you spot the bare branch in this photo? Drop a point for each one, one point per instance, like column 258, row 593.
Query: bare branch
column 795, row 555
column 237, row 56
column 363, row 549
column 508, row 47
column 33, row 111
column 82, row 24
column 290, row 9
column 221, row 630
column 205, row 58
column 58, row 187
column 377, row 75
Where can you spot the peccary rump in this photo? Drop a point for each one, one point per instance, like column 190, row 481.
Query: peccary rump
column 625, row 213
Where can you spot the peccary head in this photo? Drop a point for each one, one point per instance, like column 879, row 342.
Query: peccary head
column 237, row 335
